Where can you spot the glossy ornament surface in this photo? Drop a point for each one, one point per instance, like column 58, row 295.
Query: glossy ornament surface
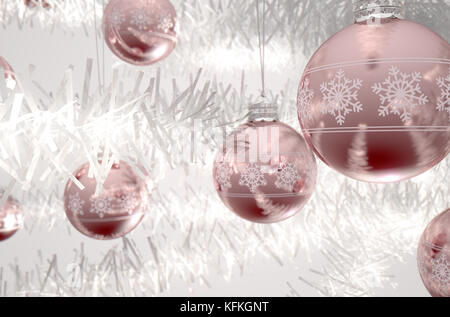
column 140, row 32
column 10, row 218
column 115, row 211
column 266, row 172
column 374, row 100
column 433, row 256
column 8, row 73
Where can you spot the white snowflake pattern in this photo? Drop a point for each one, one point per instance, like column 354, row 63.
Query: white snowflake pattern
column 223, row 175
column 287, row 176
column 444, row 99
column 127, row 203
column 166, row 24
column 140, row 19
column 440, row 270
column 76, row 204
column 100, row 205
column 401, row 92
column 117, row 18
column 304, row 98
column 253, row 177
column 340, row 96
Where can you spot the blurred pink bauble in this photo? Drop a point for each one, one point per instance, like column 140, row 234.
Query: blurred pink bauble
column 433, row 256
column 34, row 3
column 10, row 218
column 115, row 211
column 140, row 32
column 374, row 100
column 8, row 73
column 266, row 172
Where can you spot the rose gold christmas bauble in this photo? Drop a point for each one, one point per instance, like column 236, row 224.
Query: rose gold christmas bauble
column 433, row 256
column 140, row 32
column 10, row 218
column 115, row 211
column 374, row 101
column 265, row 173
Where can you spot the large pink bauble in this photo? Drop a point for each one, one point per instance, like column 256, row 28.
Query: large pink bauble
column 8, row 73
column 374, row 100
column 115, row 211
column 140, row 32
column 433, row 256
column 10, row 218
column 266, row 172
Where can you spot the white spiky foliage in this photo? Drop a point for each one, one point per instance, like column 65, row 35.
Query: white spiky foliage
column 354, row 230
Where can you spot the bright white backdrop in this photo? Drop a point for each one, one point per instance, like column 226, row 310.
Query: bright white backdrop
column 316, row 253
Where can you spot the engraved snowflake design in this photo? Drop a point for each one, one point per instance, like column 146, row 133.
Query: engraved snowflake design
column 287, row 176
column 304, row 98
column 76, row 204
column 140, row 19
column 340, row 96
column 252, row 177
column 166, row 24
column 100, row 205
column 400, row 93
column 440, row 270
column 117, row 18
column 223, row 175
column 444, row 99
column 127, row 203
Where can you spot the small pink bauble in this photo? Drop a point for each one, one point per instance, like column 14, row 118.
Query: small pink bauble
column 10, row 218
column 115, row 211
column 374, row 100
column 34, row 3
column 266, row 172
column 8, row 73
column 433, row 256
column 140, row 32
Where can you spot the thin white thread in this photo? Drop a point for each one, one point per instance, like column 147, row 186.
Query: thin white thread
column 377, row 61
column 235, row 195
column 380, row 129
column 96, row 45
column 261, row 41
column 103, row 47
column 109, row 218
column 436, row 247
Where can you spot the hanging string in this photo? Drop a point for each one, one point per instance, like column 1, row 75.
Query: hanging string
column 103, row 47
column 261, row 41
column 96, row 45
